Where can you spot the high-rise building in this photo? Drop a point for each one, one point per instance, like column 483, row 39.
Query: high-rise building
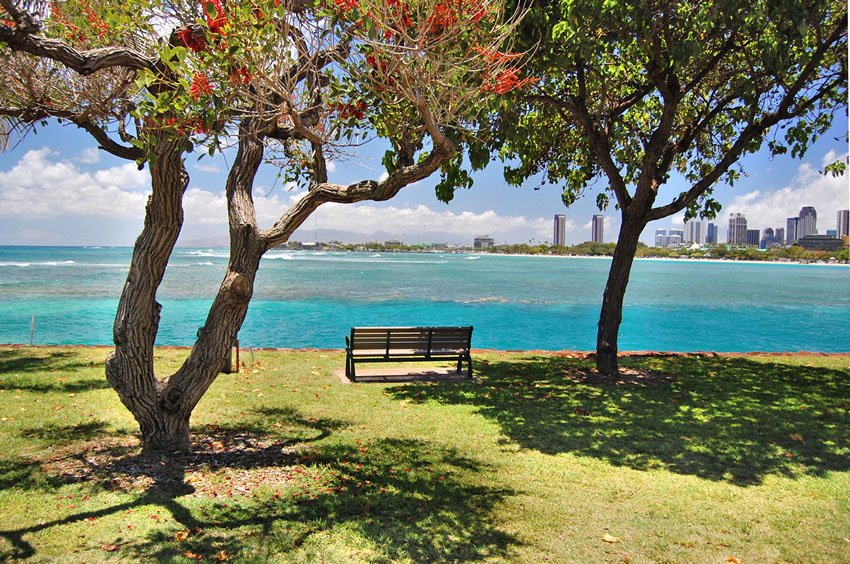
column 779, row 234
column 711, row 234
column 808, row 222
column 661, row 238
column 695, row 232
column 737, row 232
column 483, row 242
column 793, row 225
column 767, row 238
column 753, row 237
column 842, row 223
column 598, row 229
column 675, row 237
column 559, row 237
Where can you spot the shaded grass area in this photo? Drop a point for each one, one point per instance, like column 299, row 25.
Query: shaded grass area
column 725, row 456
column 737, row 419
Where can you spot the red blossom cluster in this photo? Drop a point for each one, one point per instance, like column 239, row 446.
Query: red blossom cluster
column 496, row 57
column 447, row 13
column 240, row 76
column 346, row 5
column 506, row 80
column 96, row 23
column 192, row 40
column 349, row 110
column 182, row 126
column 200, row 86
column 216, row 18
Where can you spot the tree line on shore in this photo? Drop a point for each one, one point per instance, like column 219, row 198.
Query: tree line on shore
column 589, row 248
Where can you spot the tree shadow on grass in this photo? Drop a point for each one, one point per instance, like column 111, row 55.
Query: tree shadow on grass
column 266, row 488
column 731, row 419
column 35, row 360
column 53, row 434
column 41, row 371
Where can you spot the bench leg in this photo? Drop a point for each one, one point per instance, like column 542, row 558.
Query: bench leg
column 469, row 365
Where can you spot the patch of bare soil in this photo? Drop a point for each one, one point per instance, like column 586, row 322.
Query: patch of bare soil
column 222, row 464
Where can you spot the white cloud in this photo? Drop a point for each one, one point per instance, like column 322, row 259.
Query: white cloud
column 384, row 175
column 208, row 167
column 368, row 218
column 331, row 167
column 40, row 186
column 808, row 188
column 37, row 187
column 90, row 155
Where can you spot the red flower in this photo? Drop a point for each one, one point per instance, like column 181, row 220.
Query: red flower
column 188, row 39
column 240, row 76
column 346, row 5
column 200, row 86
column 216, row 18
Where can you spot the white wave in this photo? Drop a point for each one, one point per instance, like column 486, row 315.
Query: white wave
column 472, row 258
column 284, row 256
column 376, row 255
column 207, row 253
column 44, row 263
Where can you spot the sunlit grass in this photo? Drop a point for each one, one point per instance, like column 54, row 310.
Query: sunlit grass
column 733, row 456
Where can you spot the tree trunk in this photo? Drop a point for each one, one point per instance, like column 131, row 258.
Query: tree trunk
column 612, row 301
column 164, row 407
column 129, row 368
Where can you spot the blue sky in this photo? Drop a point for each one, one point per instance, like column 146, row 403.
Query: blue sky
column 57, row 188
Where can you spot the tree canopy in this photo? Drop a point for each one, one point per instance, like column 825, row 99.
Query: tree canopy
column 291, row 82
column 630, row 92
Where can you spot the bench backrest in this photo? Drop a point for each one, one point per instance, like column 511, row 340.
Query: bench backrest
column 425, row 338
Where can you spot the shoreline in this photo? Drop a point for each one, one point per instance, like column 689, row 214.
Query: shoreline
column 559, row 352
column 666, row 259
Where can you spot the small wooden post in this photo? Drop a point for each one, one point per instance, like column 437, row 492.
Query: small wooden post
column 32, row 329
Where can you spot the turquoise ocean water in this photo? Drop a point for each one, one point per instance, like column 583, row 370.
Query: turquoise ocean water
column 308, row 299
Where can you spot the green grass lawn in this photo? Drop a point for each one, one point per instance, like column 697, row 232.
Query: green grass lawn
column 742, row 456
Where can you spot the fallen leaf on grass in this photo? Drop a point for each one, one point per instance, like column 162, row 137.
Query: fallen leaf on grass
column 797, row 437
column 109, row 547
column 610, row 538
column 192, row 555
column 181, row 535
column 733, row 560
column 221, row 556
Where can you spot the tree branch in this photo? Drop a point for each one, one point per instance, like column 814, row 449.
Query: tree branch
column 598, row 143
column 324, row 192
column 84, row 62
column 758, row 127
column 32, row 115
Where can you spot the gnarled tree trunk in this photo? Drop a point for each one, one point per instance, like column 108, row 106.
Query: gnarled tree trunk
column 163, row 407
column 615, row 291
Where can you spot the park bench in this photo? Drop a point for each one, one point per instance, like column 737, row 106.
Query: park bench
column 407, row 344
